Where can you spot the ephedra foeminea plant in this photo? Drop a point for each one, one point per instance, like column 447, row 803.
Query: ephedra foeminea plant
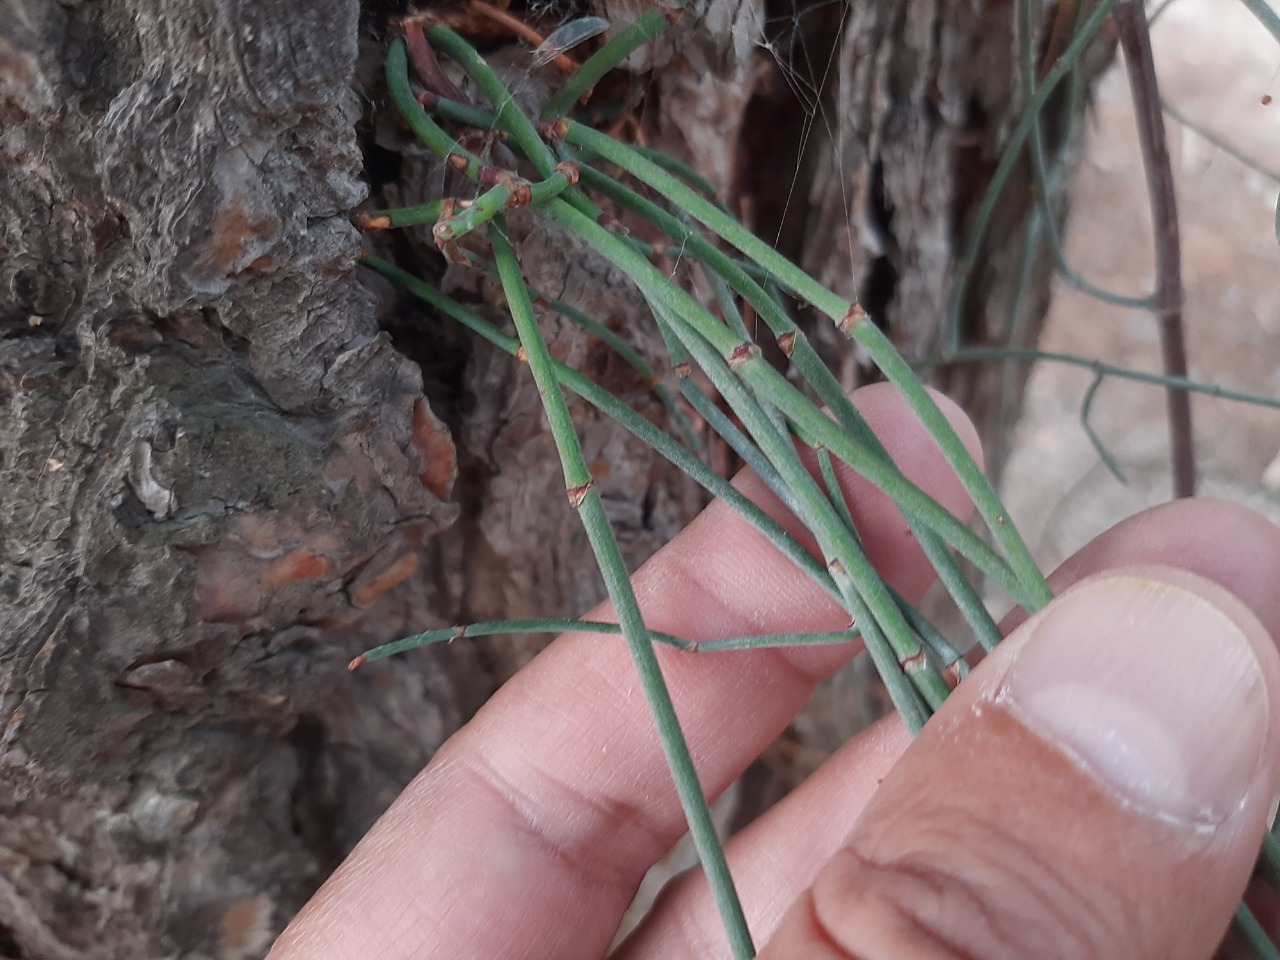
column 563, row 170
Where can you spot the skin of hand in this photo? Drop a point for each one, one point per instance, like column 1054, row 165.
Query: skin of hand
column 1097, row 787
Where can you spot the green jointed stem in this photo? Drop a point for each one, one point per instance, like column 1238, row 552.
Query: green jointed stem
column 423, row 127
column 637, row 363
column 834, row 492
column 773, row 387
column 414, row 216
column 819, row 376
column 628, row 419
column 476, row 214
column 462, row 113
column 491, row 628
column 1255, row 934
column 650, row 23
column 1266, row 16
column 510, row 117
column 889, row 640
column 585, row 497
column 984, row 354
column 724, row 427
column 679, row 168
column 988, row 504
column 512, row 192
column 615, row 342
column 1009, row 157
column 838, row 309
column 1086, row 406
column 1044, row 190
column 1257, row 166
column 948, row 657
column 788, row 274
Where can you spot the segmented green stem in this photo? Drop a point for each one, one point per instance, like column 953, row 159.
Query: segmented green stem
column 1266, row 16
column 491, row 628
column 585, row 498
column 650, row 23
column 1009, row 157
column 1254, row 934
column 797, row 346
column 510, row 191
column 510, row 117
column 985, row 354
column 773, row 387
column 837, row 309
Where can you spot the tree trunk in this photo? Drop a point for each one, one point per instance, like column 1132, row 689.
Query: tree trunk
column 228, row 462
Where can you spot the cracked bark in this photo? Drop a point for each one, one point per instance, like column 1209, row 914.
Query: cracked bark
column 228, row 463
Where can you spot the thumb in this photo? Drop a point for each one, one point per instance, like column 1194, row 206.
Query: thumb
column 1098, row 787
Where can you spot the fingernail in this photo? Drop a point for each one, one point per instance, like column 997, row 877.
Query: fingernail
column 1152, row 689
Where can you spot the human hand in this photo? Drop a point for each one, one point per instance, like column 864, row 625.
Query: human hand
column 1098, row 787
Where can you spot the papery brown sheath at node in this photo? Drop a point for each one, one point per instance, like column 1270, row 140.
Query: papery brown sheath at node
column 579, row 493
column 787, row 342
column 742, row 353
column 851, row 319
column 916, row 663
column 555, row 129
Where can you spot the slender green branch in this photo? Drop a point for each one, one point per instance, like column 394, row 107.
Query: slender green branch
column 838, row 309
column 679, row 168
column 988, row 504
column 649, row 24
column 1266, row 16
column 414, row 216
column 638, row 363
column 510, row 117
column 584, row 496
column 888, row 638
column 1086, row 408
column 816, row 427
column 426, row 129
column 491, row 628
column 1257, row 166
column 986, row 354
column 1254, row 934
column 790, row 276
column 1009, row 157
column 1044, row 190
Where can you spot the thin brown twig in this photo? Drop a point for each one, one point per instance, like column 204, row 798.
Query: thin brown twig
column 1135, row 38
column 522, row 30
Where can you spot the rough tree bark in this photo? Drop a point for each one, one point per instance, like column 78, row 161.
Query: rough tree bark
column 228, row 462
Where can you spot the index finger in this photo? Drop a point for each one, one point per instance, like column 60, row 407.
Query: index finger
column 529, row 832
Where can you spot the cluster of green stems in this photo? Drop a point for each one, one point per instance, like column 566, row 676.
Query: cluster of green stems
column 778, row 428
